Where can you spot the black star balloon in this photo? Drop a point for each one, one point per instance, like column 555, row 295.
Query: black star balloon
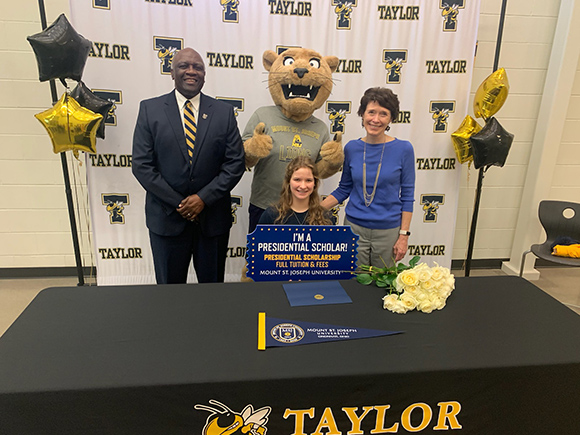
column 70, row 126
column 94, row 103
column 491, row 145
column 60, row 51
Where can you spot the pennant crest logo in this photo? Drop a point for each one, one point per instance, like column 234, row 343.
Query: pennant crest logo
column 287, row 333
column 223, row 421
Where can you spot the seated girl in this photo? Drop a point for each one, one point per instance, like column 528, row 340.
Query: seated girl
column 299, row 201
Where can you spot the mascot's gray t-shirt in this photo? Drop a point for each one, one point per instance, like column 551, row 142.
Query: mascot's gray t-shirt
column 289, row 139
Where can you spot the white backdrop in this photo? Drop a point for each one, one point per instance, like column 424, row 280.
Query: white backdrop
column 422, row 49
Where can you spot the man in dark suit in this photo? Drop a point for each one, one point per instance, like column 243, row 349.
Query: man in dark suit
column 188, row 168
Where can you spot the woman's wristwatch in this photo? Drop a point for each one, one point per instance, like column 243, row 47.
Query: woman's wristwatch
column 404, row 233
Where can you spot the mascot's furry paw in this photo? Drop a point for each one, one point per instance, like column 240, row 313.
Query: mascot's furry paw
column 258, row 146
column 332, row 157
column 244, row 277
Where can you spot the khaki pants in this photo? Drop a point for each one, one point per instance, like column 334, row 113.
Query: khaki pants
column 375, row 247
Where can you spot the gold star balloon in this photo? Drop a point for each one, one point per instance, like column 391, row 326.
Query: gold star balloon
column 491, row 94
column 460, row 139
column 71, row 126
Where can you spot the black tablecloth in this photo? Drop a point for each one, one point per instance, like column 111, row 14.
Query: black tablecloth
column 136, row 359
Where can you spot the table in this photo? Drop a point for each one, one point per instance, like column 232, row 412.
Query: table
column 502, row 358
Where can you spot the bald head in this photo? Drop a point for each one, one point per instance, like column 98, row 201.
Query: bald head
column 188, row 72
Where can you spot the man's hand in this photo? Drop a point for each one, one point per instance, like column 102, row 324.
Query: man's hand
column 191, row 207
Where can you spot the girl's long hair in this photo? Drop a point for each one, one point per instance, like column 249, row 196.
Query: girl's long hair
column 316, row 214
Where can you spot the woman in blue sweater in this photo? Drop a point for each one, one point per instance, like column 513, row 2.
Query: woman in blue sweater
column 378, row 177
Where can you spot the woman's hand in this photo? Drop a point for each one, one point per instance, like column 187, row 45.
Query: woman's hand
column 329, row 202
column 400, row 248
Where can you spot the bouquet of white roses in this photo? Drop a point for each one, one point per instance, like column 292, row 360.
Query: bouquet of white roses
column 416, row 286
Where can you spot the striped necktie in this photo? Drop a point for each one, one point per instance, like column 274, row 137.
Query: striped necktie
column 190, row 129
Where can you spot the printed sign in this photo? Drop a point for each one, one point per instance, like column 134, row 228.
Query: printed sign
column 301, row 252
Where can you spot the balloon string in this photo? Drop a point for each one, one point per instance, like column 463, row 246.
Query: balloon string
column 82, row 204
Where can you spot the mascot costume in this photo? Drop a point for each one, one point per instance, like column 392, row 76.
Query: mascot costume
column 300, row 81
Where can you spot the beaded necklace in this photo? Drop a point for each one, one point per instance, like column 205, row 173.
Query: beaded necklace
column 370, row 197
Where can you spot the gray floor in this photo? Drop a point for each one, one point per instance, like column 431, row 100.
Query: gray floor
column 16, row 294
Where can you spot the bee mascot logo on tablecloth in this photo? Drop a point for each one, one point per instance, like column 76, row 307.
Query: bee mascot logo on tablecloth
column 224, row 421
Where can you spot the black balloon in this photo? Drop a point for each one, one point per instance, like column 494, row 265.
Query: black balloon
column 90, row 101
column 491, row 145
column 60, row 51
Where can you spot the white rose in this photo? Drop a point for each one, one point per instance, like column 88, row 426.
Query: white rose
column 427, row 285
column 391, row 302
column 438, row 303
column 405, row 279
column 420, row 295
column 438, row 273
column 424, row 273
column 445, row 291
column 425, row 305
column 408, row 301
column 450, row 281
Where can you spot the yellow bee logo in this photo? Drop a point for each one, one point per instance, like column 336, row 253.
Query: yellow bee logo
column 224, row 421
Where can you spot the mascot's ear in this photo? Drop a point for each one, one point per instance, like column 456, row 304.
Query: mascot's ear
column 332, row 62
column 270, row 57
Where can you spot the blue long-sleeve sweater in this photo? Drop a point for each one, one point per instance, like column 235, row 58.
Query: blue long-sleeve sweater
column 395, row 188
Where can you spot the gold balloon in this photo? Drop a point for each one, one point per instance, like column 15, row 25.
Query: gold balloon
column 71, row 126
column 460, row 139
column 491, row 94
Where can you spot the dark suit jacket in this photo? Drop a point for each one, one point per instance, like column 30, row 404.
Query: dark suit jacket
column 161, row 164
